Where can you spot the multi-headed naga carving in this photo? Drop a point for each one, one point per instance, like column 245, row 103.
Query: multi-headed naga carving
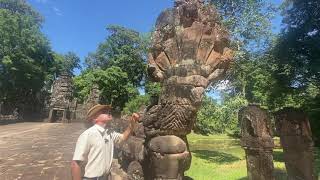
column 189, row 51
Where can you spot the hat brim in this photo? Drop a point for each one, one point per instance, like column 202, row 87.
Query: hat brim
column 95, row 110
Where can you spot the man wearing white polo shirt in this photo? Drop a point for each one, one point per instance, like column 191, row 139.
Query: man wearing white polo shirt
column 96, row 144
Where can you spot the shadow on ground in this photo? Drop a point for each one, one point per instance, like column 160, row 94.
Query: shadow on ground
column 215, row 156
column 279, row 174
column 187, row 178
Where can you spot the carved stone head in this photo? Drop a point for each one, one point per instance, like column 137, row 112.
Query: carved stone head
column 256, row 129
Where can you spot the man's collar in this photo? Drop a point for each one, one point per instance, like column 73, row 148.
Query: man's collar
column 100, row 128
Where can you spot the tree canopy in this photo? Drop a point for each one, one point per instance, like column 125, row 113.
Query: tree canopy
column 113, row 83
column 118, row 66
column 123, row 48
column 25, row 54
column 28, row 65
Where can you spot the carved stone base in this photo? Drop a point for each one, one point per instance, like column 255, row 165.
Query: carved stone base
column 168, row 158
column 299, row 165
column 259, row 164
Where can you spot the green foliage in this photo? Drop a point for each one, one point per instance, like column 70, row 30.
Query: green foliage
column 123, row 48
column 26, row 58
column 20, row 7
column 135, row 104
column 118, row 67
column 296, row 54
column 248, row 21
column 207, row 117
column 298, row 47
column 153, row 89
column 297, row 57
column 249, row 24
column 252, row 79
column 66, row 63
column 113, row 83
column 219, row 118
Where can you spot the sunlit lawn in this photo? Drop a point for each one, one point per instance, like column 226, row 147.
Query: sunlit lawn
column 219, row 157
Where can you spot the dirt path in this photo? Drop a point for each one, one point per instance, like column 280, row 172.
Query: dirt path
column 37, row 151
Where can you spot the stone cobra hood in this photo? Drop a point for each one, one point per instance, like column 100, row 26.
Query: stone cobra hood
column 189, row 51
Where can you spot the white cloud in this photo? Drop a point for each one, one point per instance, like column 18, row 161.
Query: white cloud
column 57, row 11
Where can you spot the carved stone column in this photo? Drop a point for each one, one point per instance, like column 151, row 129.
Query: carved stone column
column 296, row 139
column 189, row 51
column 256, row 139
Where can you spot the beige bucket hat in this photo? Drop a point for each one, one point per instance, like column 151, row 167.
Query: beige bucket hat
column 96, row 109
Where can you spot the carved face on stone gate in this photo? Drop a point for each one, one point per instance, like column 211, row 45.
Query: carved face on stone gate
column 189, row 51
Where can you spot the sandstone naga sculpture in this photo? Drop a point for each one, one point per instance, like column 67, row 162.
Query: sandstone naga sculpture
column 189, row 52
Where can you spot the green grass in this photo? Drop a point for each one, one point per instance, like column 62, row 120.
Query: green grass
column 220, row 157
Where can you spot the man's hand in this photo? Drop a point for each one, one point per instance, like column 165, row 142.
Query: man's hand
column 133, row 121
column 135, row 117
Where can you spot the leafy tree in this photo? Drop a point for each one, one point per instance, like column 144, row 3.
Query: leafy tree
column 113, row 83
column 153, row 88
column 249, row 24
column 123, row 48
column 298, row 60
column 219, row 118
column 22, row 8
column 67, row 62
column 25, row 55
column 248, row 21
column 135, row 104
column 298, row 46
column 208, row 117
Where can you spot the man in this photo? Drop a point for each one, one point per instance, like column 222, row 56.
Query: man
column 95, row 145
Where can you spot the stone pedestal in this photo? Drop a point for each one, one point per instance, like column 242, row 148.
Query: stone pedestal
column 169, row 158
column 259, row 164
column 256, row 139
column 296, row 139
